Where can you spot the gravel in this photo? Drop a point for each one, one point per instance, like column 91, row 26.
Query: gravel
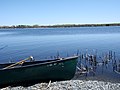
column 70, row 85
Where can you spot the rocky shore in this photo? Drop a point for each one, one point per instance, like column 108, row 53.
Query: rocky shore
column 70, row 85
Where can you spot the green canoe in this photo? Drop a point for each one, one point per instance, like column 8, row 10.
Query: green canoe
column 57, row 69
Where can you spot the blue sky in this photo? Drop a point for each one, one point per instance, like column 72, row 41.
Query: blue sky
column 49, row 12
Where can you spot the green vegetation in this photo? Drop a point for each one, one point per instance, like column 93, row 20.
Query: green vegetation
column 58, row 26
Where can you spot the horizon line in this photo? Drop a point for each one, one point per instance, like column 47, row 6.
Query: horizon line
column 63, row 24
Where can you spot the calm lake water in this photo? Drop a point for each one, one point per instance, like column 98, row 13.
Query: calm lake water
column 17, row 44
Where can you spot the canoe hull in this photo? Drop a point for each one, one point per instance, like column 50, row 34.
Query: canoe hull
column 55, row 70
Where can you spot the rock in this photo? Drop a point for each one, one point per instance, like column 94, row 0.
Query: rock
column 70, row 85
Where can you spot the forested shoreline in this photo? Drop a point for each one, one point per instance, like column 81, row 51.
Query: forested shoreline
column 59, row 26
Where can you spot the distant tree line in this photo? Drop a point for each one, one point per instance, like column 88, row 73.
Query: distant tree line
column 57, row 26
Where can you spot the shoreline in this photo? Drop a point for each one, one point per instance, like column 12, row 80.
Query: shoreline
column 58, row 26
column 70, row 85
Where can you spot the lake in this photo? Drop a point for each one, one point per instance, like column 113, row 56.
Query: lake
column 18, row 44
